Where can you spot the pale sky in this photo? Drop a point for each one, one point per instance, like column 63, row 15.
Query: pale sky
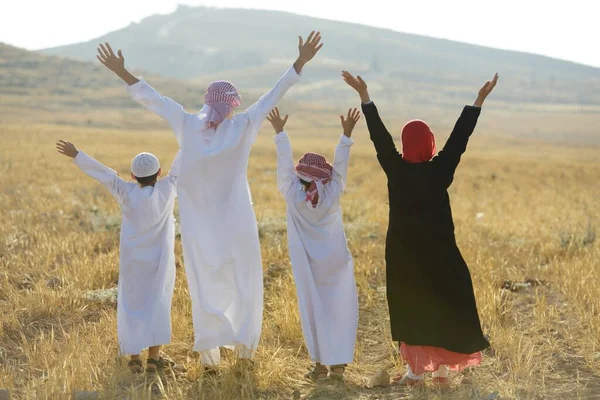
column 562, row 29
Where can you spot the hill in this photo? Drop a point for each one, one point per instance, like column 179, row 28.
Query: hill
column 41, row 88
column 253, row 46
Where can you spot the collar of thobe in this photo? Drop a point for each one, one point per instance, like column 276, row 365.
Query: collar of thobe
column 207, row 134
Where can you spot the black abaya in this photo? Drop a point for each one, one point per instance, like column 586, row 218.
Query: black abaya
column 429, row 288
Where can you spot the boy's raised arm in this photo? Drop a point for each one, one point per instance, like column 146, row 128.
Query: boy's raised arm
column 286, row 174
column 342, row 151
column 143, row 93
column 94, row 169
column 258, row 111
column 176, row 165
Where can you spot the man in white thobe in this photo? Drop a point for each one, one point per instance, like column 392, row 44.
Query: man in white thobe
column 218, row 225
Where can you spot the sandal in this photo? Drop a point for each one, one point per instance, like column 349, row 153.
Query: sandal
column 317, row 373
column 160, row 365
column 337, row 371
column 135, row 366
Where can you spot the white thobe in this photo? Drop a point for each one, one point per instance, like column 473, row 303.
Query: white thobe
column 147, row 255
column 218, row 226
column 321, row 262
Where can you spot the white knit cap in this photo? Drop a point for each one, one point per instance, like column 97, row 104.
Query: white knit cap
column 144, row 165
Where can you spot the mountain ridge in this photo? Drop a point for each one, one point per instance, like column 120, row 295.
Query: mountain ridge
column 403, row 67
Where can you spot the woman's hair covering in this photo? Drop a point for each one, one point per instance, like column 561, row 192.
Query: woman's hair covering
column 221, row 98
column 418, row 142
column 314, row 168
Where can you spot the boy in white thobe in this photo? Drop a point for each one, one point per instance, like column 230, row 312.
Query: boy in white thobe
column 147, row 252
column 218, row 226
column 321, row 262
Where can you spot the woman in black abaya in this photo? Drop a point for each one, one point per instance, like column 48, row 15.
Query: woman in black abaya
column 430, row 295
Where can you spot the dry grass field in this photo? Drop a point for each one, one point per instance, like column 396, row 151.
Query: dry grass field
column 525, row 211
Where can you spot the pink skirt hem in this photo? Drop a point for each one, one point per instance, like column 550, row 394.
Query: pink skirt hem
column 422, row 359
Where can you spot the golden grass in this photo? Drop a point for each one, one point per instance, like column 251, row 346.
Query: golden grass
column 59, row 238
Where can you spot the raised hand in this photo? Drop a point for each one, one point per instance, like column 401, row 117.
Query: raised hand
column 485, row 90
column 66, row 148
column 275, row 119
column 109, row 59
column 358, row 84
column 307, row 50
column 116, row 63
column 350, row 121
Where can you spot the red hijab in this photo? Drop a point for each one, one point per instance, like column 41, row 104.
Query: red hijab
column 418, row 142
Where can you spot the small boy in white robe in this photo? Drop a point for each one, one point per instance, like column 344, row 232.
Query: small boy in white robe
column 147, row 253
column 321, row 262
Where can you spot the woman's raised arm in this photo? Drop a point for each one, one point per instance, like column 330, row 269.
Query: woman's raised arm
column 384, row 144
column 449, row 158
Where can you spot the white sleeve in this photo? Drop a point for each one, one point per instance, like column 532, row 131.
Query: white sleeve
column 258, row 111
column 340, row 162
column 334, row 189
column 163, row 106
column 286, row 171
column 175, row 168
column 103, row 174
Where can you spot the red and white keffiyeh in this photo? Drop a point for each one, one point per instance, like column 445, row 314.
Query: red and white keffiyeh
column 221, row 98
column 314, row 168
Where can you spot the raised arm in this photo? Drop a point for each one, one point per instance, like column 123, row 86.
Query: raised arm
column 449, row 158
column 342, row 151
column 168, row 185
column 163, row 106
column 175, row 167
column 257, row 112
column 95, row 169
column 384, row 144
column 333, row 190
column 330, row 193
column 143, row 93
column 286, row 172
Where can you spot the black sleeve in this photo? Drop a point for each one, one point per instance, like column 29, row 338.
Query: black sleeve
column 447, row 160
column 381, row 138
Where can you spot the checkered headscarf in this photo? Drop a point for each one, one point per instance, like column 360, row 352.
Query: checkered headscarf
column 221, row 98
column 314, row 168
